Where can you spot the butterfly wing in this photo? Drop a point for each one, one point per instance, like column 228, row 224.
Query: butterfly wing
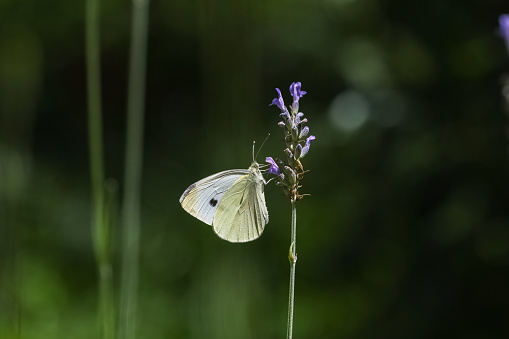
column 202, row 198
column 242, row 214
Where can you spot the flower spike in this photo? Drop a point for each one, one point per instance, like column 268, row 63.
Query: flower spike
column 297, row 143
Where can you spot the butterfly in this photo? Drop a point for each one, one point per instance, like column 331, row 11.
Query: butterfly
column 232, row 202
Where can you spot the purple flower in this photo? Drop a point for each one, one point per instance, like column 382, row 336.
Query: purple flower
column 274, row 168
column 305, row 149
column 504, row 27
column 296, row 92
column 279, row 101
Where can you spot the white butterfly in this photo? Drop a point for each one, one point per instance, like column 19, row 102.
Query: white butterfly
column 232, row 201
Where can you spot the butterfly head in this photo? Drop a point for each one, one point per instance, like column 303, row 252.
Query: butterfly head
column 255, row 167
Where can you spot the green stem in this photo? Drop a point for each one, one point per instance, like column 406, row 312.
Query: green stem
column 133, row 167
column 100, row 226
column 293, row 260
column 106, row 308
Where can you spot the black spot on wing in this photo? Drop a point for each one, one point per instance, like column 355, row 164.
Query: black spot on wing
column 213, row 202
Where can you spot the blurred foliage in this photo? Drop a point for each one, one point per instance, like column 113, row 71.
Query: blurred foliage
column 405, row 234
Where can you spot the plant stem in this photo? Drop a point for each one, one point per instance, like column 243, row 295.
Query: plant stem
column 133, row 167
column 100, row 226
column 106, row 309
column 293, row 260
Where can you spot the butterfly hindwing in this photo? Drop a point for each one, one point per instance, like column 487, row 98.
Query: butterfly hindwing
column 242, row 213
column 202, row 198
column 228, row 209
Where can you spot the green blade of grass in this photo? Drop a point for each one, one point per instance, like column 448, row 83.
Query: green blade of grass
column 133, row 168
column 100, row 217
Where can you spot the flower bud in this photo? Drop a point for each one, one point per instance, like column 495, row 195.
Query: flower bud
column 289, row 124
column 298, row 151
column 304, row 132
column 291, row 158
column 281, row 124
column 292, row 178
column 295, row 133
column 283, row 180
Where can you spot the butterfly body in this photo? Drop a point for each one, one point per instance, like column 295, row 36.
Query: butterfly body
column 232, row 202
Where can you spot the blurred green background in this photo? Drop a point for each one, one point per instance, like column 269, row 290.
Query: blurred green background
column 405, row 234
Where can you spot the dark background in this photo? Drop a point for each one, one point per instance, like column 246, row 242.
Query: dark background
column 405, row 234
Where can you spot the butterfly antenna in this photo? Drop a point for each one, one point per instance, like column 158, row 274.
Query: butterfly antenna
column 253, row 150
column 263, row 143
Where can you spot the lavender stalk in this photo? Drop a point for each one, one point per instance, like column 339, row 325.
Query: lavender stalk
column 290, row 172
column 292, row 257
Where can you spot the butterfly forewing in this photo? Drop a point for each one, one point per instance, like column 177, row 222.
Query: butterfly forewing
column 202, row 198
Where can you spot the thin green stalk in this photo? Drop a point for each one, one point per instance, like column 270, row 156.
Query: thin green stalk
column 100, row 226
column 106, row 306
column 292, row 256
column 133, row 167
